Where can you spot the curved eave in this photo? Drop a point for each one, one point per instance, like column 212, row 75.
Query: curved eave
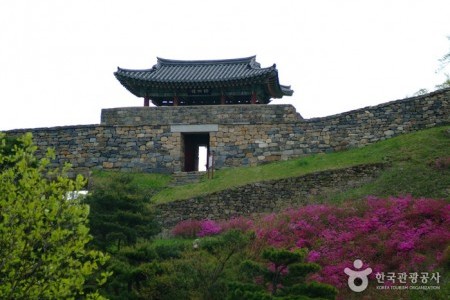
column 286, row 90
column 143, row 77
column 137, row 87
column 275, row 89
column 129, row 81
column 132, row 89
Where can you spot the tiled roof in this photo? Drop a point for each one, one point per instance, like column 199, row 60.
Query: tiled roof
column 198, row 71
column 202, row 73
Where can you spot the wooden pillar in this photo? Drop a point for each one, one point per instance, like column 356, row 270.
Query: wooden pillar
column 253, row 99
column 146, row 101
column 175, row 101
column 223, row 99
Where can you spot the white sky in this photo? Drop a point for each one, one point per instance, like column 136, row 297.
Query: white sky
column 57, row 58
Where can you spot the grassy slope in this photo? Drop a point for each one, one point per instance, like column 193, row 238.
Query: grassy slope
column 411, row 172
column 150, row 183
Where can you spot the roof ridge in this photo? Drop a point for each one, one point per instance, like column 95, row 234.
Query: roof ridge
column 134, row 70
column 165, row 61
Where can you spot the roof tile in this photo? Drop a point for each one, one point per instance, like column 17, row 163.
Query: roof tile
column 176, row 73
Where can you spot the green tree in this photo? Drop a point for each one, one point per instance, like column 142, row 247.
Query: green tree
column 283, row 273
column 445, row 84
column 199, row 271
column 123, row 224
column 136, row 268
column 120, row 213
column 444, row 61
column 43, row 234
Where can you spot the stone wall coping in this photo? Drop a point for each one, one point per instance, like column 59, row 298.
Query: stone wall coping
column 55, row 128
column 378, row 106
column 193, row 107
column 70, row 127
column 218, row 114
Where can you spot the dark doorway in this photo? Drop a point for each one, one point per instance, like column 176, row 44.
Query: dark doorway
column 192, row 144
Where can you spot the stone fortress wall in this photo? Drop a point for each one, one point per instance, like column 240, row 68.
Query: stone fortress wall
column 151, row 139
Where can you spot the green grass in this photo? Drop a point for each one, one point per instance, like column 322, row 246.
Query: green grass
column 411, row 157
column 144, row 181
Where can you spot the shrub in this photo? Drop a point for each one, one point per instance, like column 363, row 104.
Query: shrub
column 282, row 275
column 397, row 234
column 237, row 223
column 208, row 228
column 119, row 213
column 195, row 228
column 187, row 228
column 392, row 235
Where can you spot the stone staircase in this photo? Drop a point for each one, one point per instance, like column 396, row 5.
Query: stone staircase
column 182, row 178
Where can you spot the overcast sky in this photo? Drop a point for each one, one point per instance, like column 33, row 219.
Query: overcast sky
column 57, row 57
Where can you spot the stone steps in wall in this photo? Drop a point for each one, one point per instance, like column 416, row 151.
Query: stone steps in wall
column 182, row 178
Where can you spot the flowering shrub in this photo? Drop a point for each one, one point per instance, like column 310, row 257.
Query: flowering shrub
column 195, row 228
column 390, row 235
column 399, row 234
column 237, row 223
column 208, row 228
column 187, row 228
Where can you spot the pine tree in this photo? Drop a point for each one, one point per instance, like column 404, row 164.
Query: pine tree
column 280, row 275
column 119, row 213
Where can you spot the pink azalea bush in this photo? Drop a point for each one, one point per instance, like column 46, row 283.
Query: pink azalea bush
column 389, row 235
column 196, row 228
column 208, row 228
column 399, row 234
column 237, row 223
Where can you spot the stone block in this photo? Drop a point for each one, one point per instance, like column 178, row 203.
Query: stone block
column 389, row 132
column 108, row 165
